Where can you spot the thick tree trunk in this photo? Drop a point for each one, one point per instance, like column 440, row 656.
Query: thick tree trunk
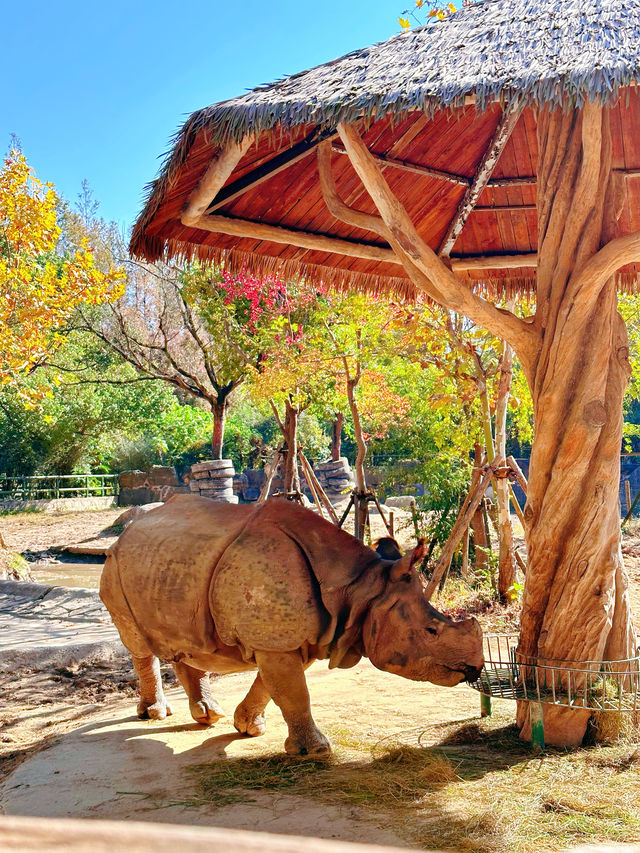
column 336, row 437
column 291, row 478
column 219, row 410
column 507, row 557
column 575, row 603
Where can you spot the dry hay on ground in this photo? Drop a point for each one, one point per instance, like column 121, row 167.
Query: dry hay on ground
column 464, row 785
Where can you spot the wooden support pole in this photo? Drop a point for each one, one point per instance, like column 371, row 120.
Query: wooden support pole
column 290, row 237
column 516, row 505
column 521, row 480
column 386, row 523
column 521, row 563
column 462, row 522
column 344, row 515
column 465, row 554
column 485, row 705
column 627, row 493
column 270, row 471
column 311, row 478
column 316, row 496
column 269, row 169
column 507, row 122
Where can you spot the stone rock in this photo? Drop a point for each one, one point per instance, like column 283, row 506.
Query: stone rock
column 135, row 497
column 131, row 479
column 162, row 475
column 256, row 477
column 216, row 493
column 194, row 485
column 250, row 494
column 400, row 501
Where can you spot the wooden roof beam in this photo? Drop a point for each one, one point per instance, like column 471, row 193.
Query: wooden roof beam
column 290, row 237
column 271, row 168
column 246, row 228
column 508, row 121
column 424, row 267
column 214, row 178
column 406, row 166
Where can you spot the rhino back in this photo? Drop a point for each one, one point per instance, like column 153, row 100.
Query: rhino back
column 164, row 562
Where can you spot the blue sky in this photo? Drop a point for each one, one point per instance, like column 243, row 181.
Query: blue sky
column 96, row 92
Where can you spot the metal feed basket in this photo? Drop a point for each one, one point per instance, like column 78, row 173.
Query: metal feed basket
column 581, row 685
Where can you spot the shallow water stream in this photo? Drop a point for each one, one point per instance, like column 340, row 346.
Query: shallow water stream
column 63, row 573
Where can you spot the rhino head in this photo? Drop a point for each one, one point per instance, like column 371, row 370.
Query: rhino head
column 405, row 635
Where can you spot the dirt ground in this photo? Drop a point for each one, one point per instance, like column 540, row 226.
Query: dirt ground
column 413, row 763
column 38, row 532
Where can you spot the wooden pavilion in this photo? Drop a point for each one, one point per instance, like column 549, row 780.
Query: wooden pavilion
column 495, row 151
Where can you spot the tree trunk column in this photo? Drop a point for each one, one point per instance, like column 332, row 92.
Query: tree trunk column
column 219, row 411
column 575, row 604
column 291, row 479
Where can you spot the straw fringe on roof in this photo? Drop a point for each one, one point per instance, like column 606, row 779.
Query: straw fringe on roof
column 537, row 51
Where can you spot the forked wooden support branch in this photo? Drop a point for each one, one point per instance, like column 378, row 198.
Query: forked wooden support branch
column 471, row 503
column 216, row 175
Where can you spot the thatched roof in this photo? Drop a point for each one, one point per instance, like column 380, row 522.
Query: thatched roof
column 429, row 97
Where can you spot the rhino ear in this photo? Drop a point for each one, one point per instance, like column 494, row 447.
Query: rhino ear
column 418, row 553
column 403, row 569
column 388, row 549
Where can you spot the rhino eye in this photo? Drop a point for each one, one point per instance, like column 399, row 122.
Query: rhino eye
column 432, row 631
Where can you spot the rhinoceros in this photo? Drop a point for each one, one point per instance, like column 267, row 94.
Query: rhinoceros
column 219, row 588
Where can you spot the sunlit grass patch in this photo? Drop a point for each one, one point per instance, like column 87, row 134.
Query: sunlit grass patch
column 469, row 785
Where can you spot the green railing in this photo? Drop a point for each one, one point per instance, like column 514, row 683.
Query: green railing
column 58, row 486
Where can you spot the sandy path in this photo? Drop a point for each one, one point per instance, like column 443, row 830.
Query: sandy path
column 134, row 769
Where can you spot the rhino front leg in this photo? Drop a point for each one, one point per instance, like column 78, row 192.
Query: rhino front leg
column 152, row 702
column 282, row 674
column 204, row 708
column 249, row 716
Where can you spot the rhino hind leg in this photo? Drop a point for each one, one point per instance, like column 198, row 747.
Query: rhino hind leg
column 153, row 704
column 249, row 715
column 203, row 707
column 282, row 674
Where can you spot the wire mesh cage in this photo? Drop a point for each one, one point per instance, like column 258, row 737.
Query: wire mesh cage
column 595, row 685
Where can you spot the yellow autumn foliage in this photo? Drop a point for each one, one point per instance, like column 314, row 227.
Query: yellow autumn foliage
column 39, row 289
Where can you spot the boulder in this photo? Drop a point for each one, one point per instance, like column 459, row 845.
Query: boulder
column 132, row 479
column 400, row 501
column 162, row 475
